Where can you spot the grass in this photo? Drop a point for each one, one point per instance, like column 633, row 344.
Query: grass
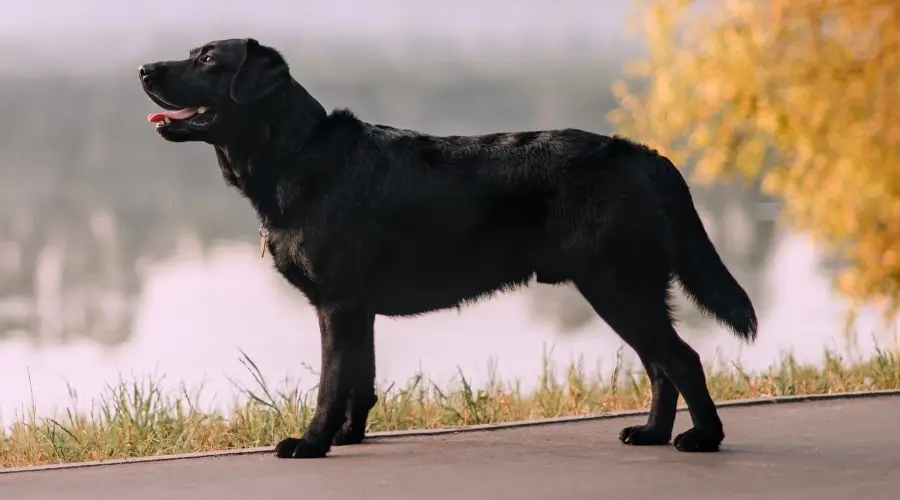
column 136, row 418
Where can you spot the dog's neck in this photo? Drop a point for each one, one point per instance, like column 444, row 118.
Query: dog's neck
column 251, row 162
column 290, row 116
column 295, row 115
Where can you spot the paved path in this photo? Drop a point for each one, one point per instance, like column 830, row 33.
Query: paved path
column 839, row 449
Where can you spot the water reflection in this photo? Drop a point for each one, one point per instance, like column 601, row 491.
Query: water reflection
column 198, row 309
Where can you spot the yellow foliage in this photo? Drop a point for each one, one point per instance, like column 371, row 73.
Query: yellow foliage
column 802, row 93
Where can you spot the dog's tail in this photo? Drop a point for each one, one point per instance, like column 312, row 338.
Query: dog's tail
column 699, row 268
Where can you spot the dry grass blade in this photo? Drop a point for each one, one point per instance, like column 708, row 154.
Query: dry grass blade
column 138, row 418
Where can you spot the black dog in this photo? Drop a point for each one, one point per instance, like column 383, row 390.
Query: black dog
column 368, row 219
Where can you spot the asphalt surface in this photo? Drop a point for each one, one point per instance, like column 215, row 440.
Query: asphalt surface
column 838, row 449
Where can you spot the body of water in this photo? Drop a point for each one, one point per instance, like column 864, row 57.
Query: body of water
column 199, row 309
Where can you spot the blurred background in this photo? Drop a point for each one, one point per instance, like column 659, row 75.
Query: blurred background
column 124, row 255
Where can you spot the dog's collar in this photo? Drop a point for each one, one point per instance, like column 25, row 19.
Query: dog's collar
column 263, row 240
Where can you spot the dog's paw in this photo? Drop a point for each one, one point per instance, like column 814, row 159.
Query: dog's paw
column 643, row 435
column 698, row 440
column 299, row 448
column 348, row 435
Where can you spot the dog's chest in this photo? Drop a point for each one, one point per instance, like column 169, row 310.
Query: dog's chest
column 292, row 257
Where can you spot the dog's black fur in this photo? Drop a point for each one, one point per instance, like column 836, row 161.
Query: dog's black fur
column 368, row 219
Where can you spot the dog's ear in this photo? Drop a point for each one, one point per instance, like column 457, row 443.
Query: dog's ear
column 262, row 70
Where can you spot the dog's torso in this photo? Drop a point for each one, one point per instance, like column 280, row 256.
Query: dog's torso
column 412, row 223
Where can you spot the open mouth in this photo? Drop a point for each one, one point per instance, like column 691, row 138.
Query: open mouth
column 167, row 117
column 175, row 117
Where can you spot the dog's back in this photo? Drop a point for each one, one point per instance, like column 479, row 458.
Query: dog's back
column 495, row 210
column 489, row 212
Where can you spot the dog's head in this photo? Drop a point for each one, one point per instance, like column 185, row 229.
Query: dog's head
column 210, row 95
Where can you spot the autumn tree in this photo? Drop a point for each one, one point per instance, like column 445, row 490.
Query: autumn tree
column 801, row 95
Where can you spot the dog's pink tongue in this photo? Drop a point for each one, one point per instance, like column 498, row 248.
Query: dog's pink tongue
column 180, row 114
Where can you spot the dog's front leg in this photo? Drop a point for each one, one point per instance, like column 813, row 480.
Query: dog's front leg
column 344, row 330
column 362, row 389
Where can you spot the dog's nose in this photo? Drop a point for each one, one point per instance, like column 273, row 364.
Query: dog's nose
column 147, row 70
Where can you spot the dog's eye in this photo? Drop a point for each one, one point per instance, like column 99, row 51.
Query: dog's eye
column 207, row 59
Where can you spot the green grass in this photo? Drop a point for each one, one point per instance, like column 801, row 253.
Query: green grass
column 136, row 418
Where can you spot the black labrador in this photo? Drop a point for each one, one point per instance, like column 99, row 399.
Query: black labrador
column 369, row 219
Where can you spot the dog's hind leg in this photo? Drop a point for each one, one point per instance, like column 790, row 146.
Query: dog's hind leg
column 362, row 392
column 343, row 329
column 663, row 404
column 633, row 300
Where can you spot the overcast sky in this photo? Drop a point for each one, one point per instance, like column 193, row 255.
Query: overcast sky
column 49, row 22
column 42, row 35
